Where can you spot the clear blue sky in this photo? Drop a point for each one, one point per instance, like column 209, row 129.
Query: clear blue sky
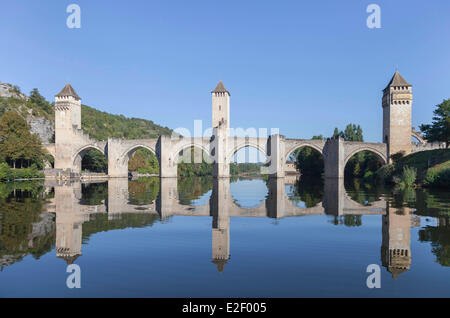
column 302, row 66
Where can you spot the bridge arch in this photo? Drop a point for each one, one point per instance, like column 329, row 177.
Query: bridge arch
column 418, row 136
column 293, row 148
column 128, row 153
column 248, row 143
column 178, row 151
column 380, row 155
column 81, row 152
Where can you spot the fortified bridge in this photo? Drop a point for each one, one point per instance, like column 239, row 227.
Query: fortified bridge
column 71, row 143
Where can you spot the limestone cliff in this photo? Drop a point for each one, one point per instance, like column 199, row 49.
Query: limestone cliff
column 39, row 124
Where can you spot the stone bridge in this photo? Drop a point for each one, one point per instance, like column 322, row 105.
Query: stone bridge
column 71, row 143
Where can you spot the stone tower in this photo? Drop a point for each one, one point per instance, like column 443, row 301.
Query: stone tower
column 397, row 105
column 220, row 125
column 220, row 106
column 67, row 120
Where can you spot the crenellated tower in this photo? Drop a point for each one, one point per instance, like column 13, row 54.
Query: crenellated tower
column 397, row 109
column 67, row 121
column 221, row 127
column 220, row 106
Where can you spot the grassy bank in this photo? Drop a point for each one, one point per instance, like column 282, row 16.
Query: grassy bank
column 426, row 168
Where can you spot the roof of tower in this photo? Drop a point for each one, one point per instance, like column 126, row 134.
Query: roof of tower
column 68, row 91
column 398, row 80
column 220, row 263
column 220, row 88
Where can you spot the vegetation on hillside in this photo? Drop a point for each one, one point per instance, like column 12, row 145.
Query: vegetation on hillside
column 99, row 125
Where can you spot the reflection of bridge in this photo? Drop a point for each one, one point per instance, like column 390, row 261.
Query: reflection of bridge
column 276, row 205
column 71, row 213
column 71, row 143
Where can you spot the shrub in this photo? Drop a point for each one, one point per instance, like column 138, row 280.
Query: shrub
column 437, row 178
column 407, row 178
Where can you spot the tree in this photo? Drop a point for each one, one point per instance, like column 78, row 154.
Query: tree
column 38, row 100
column 336, row 133
column 439, row 130
column 17, row 144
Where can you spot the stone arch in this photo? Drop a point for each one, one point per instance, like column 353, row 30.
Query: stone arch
column 291, row 150
column 289, row 169
column 379, row 154
column 182, row 148
column 128, row 153
column 418, row 137
column 250, row 144
column 79, row 154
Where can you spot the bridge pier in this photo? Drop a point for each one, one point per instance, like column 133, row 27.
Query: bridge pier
column 277, row 157
column 116, row 165
column 334, row 159
column 168, row 168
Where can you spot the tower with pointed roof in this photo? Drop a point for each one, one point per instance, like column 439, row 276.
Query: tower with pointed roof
column 220, row 106
column 220, row 125
column 397, row 109
column 67, row 119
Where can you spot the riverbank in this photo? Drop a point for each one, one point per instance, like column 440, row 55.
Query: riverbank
column 9, row 174
column 428, row 169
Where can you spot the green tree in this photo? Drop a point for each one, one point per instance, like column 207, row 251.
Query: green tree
column 36, row 99
column 336, row 133
column 439, row 130
column 17, row 144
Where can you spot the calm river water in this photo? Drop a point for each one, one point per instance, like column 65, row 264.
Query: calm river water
column 223, row 238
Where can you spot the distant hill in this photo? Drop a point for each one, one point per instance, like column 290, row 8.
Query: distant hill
column 40, row 115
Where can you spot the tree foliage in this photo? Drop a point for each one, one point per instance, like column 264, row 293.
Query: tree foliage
column 144, row 161
column 18, row 146
column 439, row 130
column 94, row 161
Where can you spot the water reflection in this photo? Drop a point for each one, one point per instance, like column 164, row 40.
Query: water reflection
column 63, row 216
